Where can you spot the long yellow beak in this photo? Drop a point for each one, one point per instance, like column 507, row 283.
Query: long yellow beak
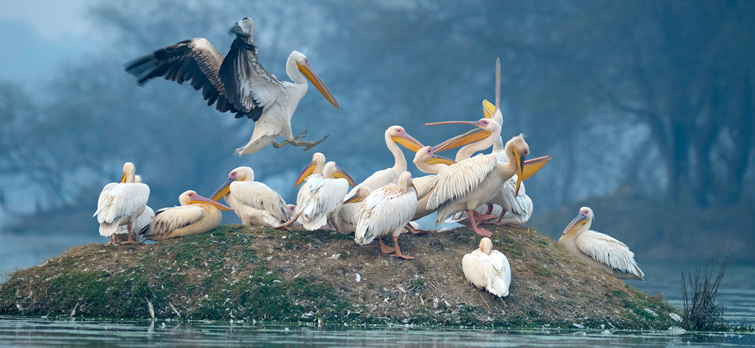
column 308, row 170
column 533, row 165
column 353, row 198
column 407, row 141
column 222, row 191
column 123, row 178
column 579, row 220
column 460, row 140
column 310, row 73
column 201, row 200
column 519, row 171
column 488, row 108
column 435, row 159
column 342, row 175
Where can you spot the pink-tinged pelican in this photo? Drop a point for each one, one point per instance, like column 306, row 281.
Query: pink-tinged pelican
column 120, row 203
column 599, row 250
column 253, row 202
column 321, row 196
column 195, row 215
column 478, row 180
column 238, row 83
column 427, row 162
column 144, row 219
column 385, row 212
column 488, row 269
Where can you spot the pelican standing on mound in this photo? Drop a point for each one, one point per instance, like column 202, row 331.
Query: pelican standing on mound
column 488, row 269
column 238, row 83
column 478, row 180
column 195, row 215
column 120, row 203
column 253, row 202
column 321, row 196
column 385, row 212
column 144, row 219
column 599, row 250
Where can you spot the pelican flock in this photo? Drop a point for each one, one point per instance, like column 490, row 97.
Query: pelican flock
column 238, row 83
column 475, row 190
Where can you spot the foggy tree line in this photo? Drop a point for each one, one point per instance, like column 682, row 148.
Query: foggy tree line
column 654, row 96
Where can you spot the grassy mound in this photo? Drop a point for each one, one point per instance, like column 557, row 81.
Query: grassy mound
column 236, row 272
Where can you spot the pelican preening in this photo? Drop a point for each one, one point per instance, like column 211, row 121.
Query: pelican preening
column 121, row 203
column 385, row 212
column 599, row 250
column 320, row 198
column 253, row 202
column 488, row 269
column 238, row 83
column 196, row 214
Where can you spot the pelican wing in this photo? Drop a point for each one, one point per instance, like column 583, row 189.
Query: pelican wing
column 248, row 85
column 120, row 200
column 384, row 211
column 460, row 179
column 194, row 60
column 517, row 205
column 607, row 250
column 261, row 197
column 424, row 184
column 171, row 219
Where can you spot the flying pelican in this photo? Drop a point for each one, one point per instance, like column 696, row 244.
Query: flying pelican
column 196, row 214
column 121, row 203
column 599, row 250
column 488, row 269
column 238, row 83
column 253, row 202
column 478, row 180
column 321, row 196
column 144, row 219
column 385, row 212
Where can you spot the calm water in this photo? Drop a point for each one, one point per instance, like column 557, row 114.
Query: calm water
column 737, row 292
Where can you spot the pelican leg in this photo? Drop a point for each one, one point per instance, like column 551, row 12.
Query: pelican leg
column 130, row 237
column 490, row 209
column 384, row 248
column 398, row 251
column 286, row 142
column 113, row 241
column 335, row 225
column 481, row 231
column 284, row 227
column 308, row 144
column 482, row 217
column 411, row 230
column 498, row 221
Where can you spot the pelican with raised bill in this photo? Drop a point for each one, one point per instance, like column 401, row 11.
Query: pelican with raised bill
column 238, row 83
column 195, row 215
column 121, row 203
column 254, row 203
column 385, row 212
column 488, row 269
column 321, row 197
column 599, row 250
column 475, row 181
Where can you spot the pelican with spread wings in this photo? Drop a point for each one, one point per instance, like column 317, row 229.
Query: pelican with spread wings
column 238, row 83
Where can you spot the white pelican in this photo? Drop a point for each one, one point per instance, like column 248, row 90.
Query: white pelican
column 238, row 83
column 598, row 249
column 427, row 162
column 488, row 269
column 144, row 219
column 385, row 212
column 253, row 202
column 321, row 196
column 478, row 180
column 196, row 214
column 121, row 203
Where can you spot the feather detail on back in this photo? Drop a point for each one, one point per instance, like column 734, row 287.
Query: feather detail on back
column 460, row 179
column 170, row 219
column 608, row 251
column 385, row 211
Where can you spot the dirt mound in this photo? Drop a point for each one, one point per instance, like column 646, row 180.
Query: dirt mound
column 241, row 273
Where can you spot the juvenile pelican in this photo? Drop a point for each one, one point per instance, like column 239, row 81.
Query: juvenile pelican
column 321, row 196
column 488, row 269
column 478, row 180
column 196, row 214
column 385, row 212
column 253, row 202
column 121, row 203
column 599, row 250
column 144, row 219
column 238, row 83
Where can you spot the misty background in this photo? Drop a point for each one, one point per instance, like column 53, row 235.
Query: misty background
column 646, row 107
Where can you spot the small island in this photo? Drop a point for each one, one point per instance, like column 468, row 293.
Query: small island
column 259, row 274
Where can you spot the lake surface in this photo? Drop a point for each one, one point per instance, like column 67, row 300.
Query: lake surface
column 737, row 292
